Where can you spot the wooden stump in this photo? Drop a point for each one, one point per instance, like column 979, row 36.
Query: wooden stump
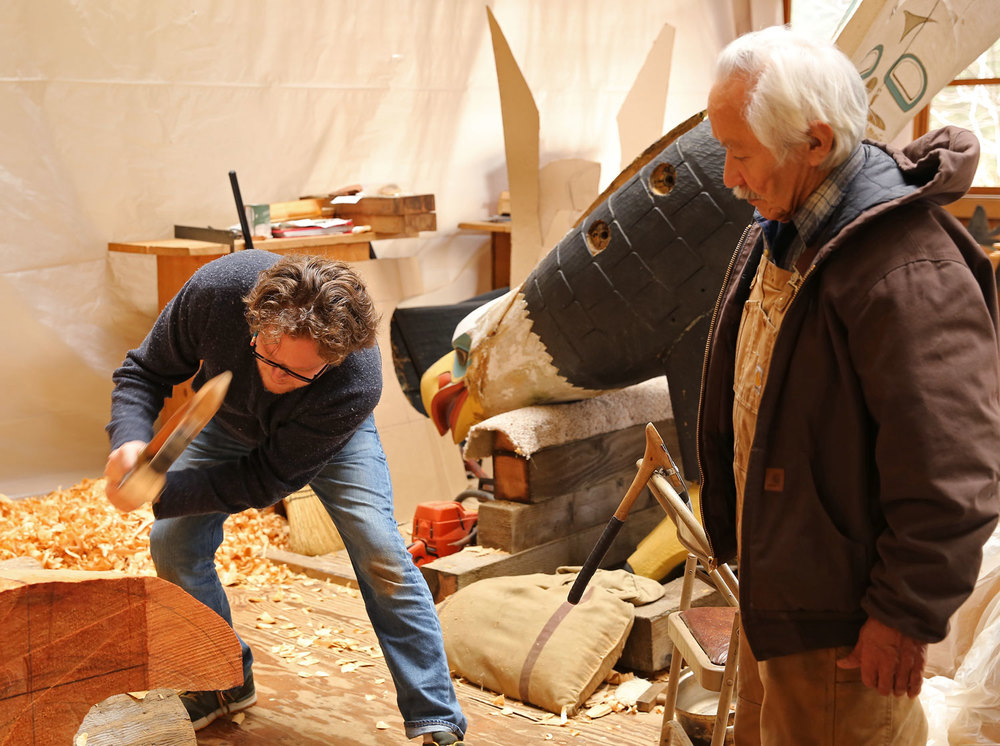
column 158, row 717
column 73, row 638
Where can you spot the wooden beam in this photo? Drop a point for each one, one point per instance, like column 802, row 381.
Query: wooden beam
column 410, row 223
column 73, row 638
column 335, row 567
column 514, row 526
column 568, row 467
column 448, row 574
column 406, row 204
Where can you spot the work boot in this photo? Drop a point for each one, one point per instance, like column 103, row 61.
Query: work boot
column 443, row 738
column 204, row 707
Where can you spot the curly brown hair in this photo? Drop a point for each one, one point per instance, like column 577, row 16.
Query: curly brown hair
column 311, row 296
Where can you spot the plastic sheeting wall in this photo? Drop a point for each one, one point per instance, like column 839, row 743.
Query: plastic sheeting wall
column 119, row 119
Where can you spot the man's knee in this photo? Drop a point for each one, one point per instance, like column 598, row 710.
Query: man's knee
column 159, row 542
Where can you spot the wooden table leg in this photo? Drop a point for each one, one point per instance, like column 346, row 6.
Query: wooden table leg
column 171, row 274
column 500, row 254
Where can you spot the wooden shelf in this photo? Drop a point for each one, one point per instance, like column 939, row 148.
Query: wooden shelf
column 487, row 226
column 191, row 247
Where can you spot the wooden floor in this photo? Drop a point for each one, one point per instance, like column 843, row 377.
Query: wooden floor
column 302, row 631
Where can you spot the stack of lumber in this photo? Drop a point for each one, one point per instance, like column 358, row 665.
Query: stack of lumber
column 406, row 214
column 559, row 471
column 398, row 215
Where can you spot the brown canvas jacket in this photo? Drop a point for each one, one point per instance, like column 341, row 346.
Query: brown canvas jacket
column 874, row 471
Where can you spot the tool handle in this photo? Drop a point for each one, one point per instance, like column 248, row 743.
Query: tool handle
column 596, row 555
column 242, row 210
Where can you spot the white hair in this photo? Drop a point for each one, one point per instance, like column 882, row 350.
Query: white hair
column 794, row 81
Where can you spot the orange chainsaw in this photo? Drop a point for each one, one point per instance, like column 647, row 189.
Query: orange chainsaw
column 443, row 527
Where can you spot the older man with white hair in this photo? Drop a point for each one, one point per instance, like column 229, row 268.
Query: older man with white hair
column 849, row 429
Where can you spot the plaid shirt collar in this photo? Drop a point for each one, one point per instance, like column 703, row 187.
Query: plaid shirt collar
column 819, row 206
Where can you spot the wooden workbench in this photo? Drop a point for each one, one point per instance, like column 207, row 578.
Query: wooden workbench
column 178, row 258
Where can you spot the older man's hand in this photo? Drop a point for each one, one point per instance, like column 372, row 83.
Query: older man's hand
column 890, row 661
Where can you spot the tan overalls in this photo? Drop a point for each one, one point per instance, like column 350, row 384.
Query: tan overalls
column 801, row 699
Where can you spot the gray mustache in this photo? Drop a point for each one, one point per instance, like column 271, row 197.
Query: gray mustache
column 742, row 192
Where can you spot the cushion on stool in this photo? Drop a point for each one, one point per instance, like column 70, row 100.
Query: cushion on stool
column 711, row 626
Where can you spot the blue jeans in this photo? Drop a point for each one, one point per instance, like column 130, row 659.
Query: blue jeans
column 356, row 490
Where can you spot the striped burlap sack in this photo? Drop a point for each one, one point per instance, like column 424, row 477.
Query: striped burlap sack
column 520, row 637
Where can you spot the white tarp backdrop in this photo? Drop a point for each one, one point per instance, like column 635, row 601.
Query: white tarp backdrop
column 120, row 119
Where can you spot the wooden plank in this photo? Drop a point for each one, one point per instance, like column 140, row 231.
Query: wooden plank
column 653, row 696
column 335, row 566
column 485, row 226
column 514, row 526
column 558, row 470
column 647, row 649
column 296, row 209
column 401, row 205
column 74, row 638
column 448, row 574
column 410, row 223
column 179, row 247
column 312, row 243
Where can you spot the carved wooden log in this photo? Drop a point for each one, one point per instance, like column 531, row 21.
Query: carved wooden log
column 73, row 638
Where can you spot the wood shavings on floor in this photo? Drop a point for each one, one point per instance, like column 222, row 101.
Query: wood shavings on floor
column 311, row 636
column 78, row 529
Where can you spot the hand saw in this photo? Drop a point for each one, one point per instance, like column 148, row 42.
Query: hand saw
column 145, row 481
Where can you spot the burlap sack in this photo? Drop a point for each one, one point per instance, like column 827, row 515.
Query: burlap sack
column 520, row 637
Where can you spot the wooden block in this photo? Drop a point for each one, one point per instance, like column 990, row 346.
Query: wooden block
column 296, row 210
column 410, row 223
column 648, row 647
column 402, row 205
column 125, row 720
column 646, row 701
column 514, row 526
column 558, row 470
column 448, row 574
column 74, row 638
column 335, row 567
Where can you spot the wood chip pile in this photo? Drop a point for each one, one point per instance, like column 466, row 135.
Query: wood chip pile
column 78, row 529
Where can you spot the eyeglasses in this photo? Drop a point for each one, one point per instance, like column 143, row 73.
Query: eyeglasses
column 282, row 368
